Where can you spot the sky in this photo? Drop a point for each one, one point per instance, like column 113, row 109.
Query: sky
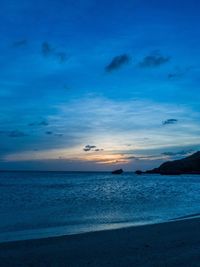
column 96, row 85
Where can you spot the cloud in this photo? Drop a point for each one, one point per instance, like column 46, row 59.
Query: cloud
column 40, row 123
column 163, row 156
column 174, row 75
column 49, row 132
column 154, row 60
column 14, row 133
column 59, row 134
column 117, row 62
column 147, row 157
column 86, row 121
column 49, row 51
column 20, row 43
column 88, row 148
column 43, row 123
column 61, row 56
column 178, row 153
column 138, row 118
column 178, row 73
column 170, row 121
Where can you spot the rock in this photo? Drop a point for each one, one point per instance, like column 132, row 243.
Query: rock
column 120, row 171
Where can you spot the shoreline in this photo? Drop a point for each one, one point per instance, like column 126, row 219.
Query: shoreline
column 56, row 232
column 174, row 243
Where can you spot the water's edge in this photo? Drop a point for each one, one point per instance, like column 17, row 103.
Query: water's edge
column 40, row 205
column 61, row 231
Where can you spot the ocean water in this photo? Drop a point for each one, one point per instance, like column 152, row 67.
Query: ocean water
column 42, row 204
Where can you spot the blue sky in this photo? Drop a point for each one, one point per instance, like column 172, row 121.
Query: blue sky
column 96, row 85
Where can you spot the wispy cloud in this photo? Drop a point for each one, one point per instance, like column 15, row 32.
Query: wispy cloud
column 155, row 59
column 170, row 121
column 178, row 153
column 20, row 43
column 178, row 73
column 14, row 133
column 61, row 56
column 175, row 75
column 143, row 157
column 49, row 51
column 59, row 134
column 135, row 122
column 39, row 123
column 117, row 62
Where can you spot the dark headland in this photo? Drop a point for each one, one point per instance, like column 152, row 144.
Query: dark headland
column 188, row 165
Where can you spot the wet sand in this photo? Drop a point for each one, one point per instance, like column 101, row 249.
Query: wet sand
column 174, row 244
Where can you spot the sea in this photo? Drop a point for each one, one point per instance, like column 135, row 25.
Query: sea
column 45, row 204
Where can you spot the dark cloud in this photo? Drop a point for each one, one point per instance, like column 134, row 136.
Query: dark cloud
column 47, row 49
column 170, row 121
column 174, row 75
column 88, row 148
column 43, row 123
column 154, row 60
column 117, row 62
column 49, row 132
column 20, row 43
column 178, row 73
column 14, row 133
column 40, row 123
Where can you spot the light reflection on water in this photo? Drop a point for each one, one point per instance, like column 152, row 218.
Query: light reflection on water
column 37, row 204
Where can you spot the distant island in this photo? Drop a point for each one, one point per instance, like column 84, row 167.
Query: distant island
column 120, row 171
column 188, row 165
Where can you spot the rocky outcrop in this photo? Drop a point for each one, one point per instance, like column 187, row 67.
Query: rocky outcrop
column 120, row 171
column 188, row 165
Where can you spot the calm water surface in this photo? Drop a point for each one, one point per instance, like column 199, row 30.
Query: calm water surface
column 41, row 204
